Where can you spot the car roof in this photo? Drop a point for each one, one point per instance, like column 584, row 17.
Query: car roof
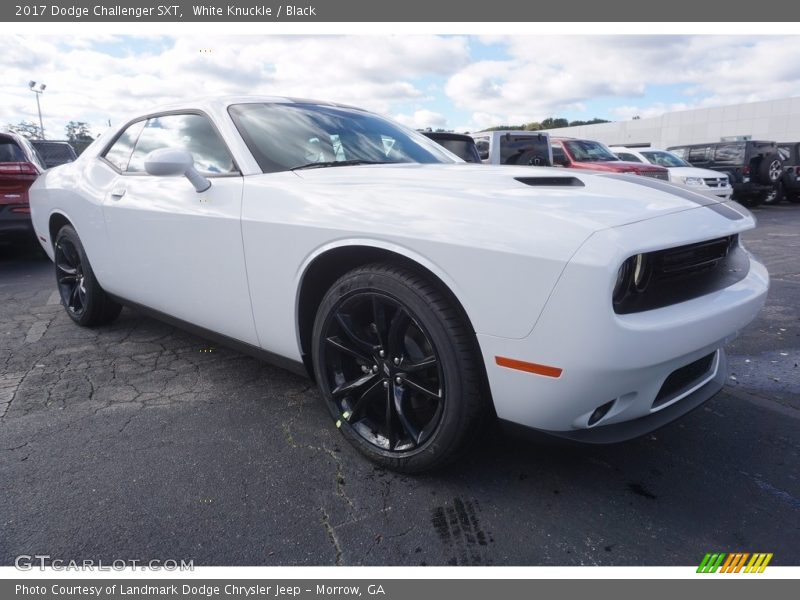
column 217, row 103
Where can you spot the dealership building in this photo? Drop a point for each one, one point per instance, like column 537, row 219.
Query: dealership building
column 776, row 120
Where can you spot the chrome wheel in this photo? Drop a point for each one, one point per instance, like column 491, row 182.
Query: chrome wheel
column 70, row 277
column 775, row 170
column 382, row 371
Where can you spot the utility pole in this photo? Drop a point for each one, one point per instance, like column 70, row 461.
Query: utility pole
column 38, row 89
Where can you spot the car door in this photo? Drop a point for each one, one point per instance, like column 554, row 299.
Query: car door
column 176, row 250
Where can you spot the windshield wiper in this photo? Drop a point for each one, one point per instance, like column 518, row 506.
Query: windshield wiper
column 339, row 163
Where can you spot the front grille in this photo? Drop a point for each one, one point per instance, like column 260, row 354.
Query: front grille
column 716, row 182
column 663, row 175
column 686, row 260
column 679, row 274
column 682, row 380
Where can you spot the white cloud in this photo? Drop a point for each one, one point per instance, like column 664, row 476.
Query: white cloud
column 85, row 83
column 528, row 77
column 546, row 76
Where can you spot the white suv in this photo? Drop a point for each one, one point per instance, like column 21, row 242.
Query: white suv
column 702, row 181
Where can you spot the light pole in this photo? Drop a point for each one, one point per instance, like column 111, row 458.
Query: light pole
column 38, row 89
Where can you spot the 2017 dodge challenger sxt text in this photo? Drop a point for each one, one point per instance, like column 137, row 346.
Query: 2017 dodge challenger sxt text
column 424, row 294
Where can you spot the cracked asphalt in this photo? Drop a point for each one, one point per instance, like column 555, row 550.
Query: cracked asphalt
column 140, row 441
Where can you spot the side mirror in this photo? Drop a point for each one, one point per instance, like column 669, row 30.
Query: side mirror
column 168, row 162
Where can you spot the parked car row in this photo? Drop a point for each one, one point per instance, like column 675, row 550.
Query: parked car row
column 752, row 172
column 21, row 162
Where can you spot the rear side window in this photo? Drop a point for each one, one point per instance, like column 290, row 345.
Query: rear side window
column 698, row 154
column 10, row 152
column 790, row 153
column 729, row 153
column 192, row 133
column 524, row 150
column 119, row 154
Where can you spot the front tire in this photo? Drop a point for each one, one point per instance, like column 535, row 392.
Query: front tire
column 85, row 301
column 398, row 368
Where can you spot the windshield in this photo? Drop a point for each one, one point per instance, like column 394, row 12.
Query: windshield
column 283, row 137
column 588, row 151
column 664, row 159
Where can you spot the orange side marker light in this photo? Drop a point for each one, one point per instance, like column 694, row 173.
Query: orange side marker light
column 528, row 367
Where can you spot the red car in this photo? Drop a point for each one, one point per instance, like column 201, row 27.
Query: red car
column 587, row 154
column 20, row 165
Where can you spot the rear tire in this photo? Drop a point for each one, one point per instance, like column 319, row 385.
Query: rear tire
column 775, row 196
column 85, row 301
column 398, row 368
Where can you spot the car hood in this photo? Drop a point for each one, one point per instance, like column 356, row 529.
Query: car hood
column 694, row 172
column 594, row 201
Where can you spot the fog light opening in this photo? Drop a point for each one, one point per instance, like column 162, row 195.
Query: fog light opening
column 600, row 412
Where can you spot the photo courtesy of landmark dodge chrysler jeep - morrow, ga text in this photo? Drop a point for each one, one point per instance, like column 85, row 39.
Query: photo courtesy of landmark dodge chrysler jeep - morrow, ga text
column 423, row 294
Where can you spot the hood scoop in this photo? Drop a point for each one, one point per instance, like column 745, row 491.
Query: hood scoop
column 551, row 181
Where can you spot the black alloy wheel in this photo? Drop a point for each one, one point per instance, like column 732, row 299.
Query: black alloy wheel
column 85, row 301
column 70, row 277
column 398, row 368
column 384, row 370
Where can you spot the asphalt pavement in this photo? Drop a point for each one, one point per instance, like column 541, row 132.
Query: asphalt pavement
column 139, row 441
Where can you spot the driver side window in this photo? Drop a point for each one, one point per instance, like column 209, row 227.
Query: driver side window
column 192, row 133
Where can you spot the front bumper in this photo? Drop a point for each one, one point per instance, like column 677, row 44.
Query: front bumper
column 716, row 193
column 619, row 360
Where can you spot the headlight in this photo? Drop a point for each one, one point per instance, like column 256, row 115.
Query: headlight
column 641, row 272
column 623, row 283
column 632, row 277
column 693, row 180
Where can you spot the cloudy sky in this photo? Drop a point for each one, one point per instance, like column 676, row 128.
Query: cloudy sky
column 454, row 82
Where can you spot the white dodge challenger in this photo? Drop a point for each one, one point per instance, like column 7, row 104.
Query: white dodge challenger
column 423, row 294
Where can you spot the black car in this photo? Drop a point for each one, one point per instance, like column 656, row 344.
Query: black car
column 461, row 145
column 789, row 184
column 754, row 167
column 54, row 153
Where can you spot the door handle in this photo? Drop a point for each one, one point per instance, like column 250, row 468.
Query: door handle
column 118, row 192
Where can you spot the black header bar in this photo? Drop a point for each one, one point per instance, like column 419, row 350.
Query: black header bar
column 454, row 11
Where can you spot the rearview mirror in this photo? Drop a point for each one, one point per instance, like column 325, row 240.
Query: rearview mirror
column 168, row 162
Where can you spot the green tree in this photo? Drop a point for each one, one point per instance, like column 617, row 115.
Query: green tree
column 27, row 129
column 554, row 123
column 78, row 131
column 590, row 122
